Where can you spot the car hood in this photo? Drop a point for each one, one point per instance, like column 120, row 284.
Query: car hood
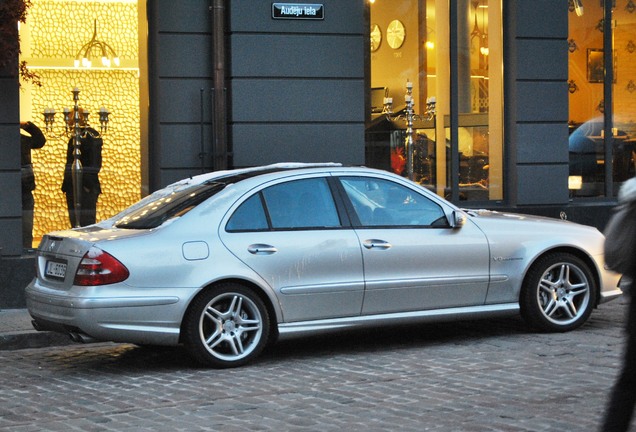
column 500, row 216
column 501, row 226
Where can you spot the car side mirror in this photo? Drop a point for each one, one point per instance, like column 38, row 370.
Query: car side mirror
column 458, row 219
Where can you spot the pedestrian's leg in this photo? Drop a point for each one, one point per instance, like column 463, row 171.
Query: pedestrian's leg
column 89, row 208
column 620, row 409
column 70, row 204
column 27, row 219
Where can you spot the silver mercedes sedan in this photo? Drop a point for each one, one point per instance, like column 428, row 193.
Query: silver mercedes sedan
column 226, row 262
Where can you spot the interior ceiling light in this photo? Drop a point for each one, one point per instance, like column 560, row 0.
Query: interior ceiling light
column 95, row 48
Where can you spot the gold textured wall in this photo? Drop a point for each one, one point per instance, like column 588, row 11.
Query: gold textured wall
column 56, row 29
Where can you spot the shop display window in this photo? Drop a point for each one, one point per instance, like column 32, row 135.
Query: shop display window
column 56, row 43
column 601, row 91
column 410, row 43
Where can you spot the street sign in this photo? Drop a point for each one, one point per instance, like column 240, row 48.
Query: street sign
column 300, row 11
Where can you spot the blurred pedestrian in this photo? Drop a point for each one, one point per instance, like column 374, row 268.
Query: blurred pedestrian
column 33, row 139
column 91, row 159
column 620, row 408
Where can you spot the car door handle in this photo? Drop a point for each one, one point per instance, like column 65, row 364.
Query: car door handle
column 376, row 244
column 261, row 249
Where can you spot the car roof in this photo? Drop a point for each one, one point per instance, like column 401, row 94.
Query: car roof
column 236, row 175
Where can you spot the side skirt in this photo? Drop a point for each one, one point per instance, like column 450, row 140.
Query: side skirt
column 306, row 328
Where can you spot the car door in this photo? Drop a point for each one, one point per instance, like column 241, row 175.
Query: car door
column 292, row 235
column 413, row 259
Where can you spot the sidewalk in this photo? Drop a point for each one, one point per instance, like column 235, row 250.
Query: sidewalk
column 16, row 332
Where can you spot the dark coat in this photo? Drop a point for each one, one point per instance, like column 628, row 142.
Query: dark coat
column 34, row 140
column 91, row 159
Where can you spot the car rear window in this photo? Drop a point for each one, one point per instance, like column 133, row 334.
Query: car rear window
column 176, row 204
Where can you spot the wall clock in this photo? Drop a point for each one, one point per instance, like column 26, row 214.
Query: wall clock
column 376, row 37
column 395, row 34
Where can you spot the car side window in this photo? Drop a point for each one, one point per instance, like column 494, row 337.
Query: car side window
column 298, row 204
column 250, row 216
column 382, row 203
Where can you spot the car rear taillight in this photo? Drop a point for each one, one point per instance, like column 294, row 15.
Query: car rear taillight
column 99, row 268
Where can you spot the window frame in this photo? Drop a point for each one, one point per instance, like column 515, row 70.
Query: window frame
column 343, row 216
column 357, row 223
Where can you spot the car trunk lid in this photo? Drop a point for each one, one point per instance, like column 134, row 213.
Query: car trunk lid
column 60, row 253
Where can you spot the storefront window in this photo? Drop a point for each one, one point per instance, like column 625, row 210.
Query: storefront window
column 410, row 43
column 56, row 38
column 602, row 115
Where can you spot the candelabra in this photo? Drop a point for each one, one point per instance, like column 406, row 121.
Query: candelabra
column 409, row 117
column 76, row 124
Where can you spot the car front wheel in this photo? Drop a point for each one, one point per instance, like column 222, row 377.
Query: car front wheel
column 226, row 326
column 558, row 293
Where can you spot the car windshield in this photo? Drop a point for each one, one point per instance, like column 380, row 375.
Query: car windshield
column 175, row 204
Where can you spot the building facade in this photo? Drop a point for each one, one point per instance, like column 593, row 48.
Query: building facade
column 498, row 91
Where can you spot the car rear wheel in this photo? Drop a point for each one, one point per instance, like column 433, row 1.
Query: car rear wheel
column 226, row 326
column 558, row 293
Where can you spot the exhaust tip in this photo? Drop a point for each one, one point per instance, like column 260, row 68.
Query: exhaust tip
column 36, row 325
column 81, row 338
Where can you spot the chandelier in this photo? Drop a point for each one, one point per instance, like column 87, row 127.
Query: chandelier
column 96, row 48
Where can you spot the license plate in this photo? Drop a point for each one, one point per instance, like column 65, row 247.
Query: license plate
column 55, row 269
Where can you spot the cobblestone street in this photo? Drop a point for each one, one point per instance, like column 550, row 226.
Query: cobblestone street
column 491, row 375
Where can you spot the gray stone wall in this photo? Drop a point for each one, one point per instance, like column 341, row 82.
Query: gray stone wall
column 10, row 186
column 297, row 86
column 180, row 82
column 536, row 101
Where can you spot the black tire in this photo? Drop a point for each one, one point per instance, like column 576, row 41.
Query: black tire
column 558, row 293
column 226, row 326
